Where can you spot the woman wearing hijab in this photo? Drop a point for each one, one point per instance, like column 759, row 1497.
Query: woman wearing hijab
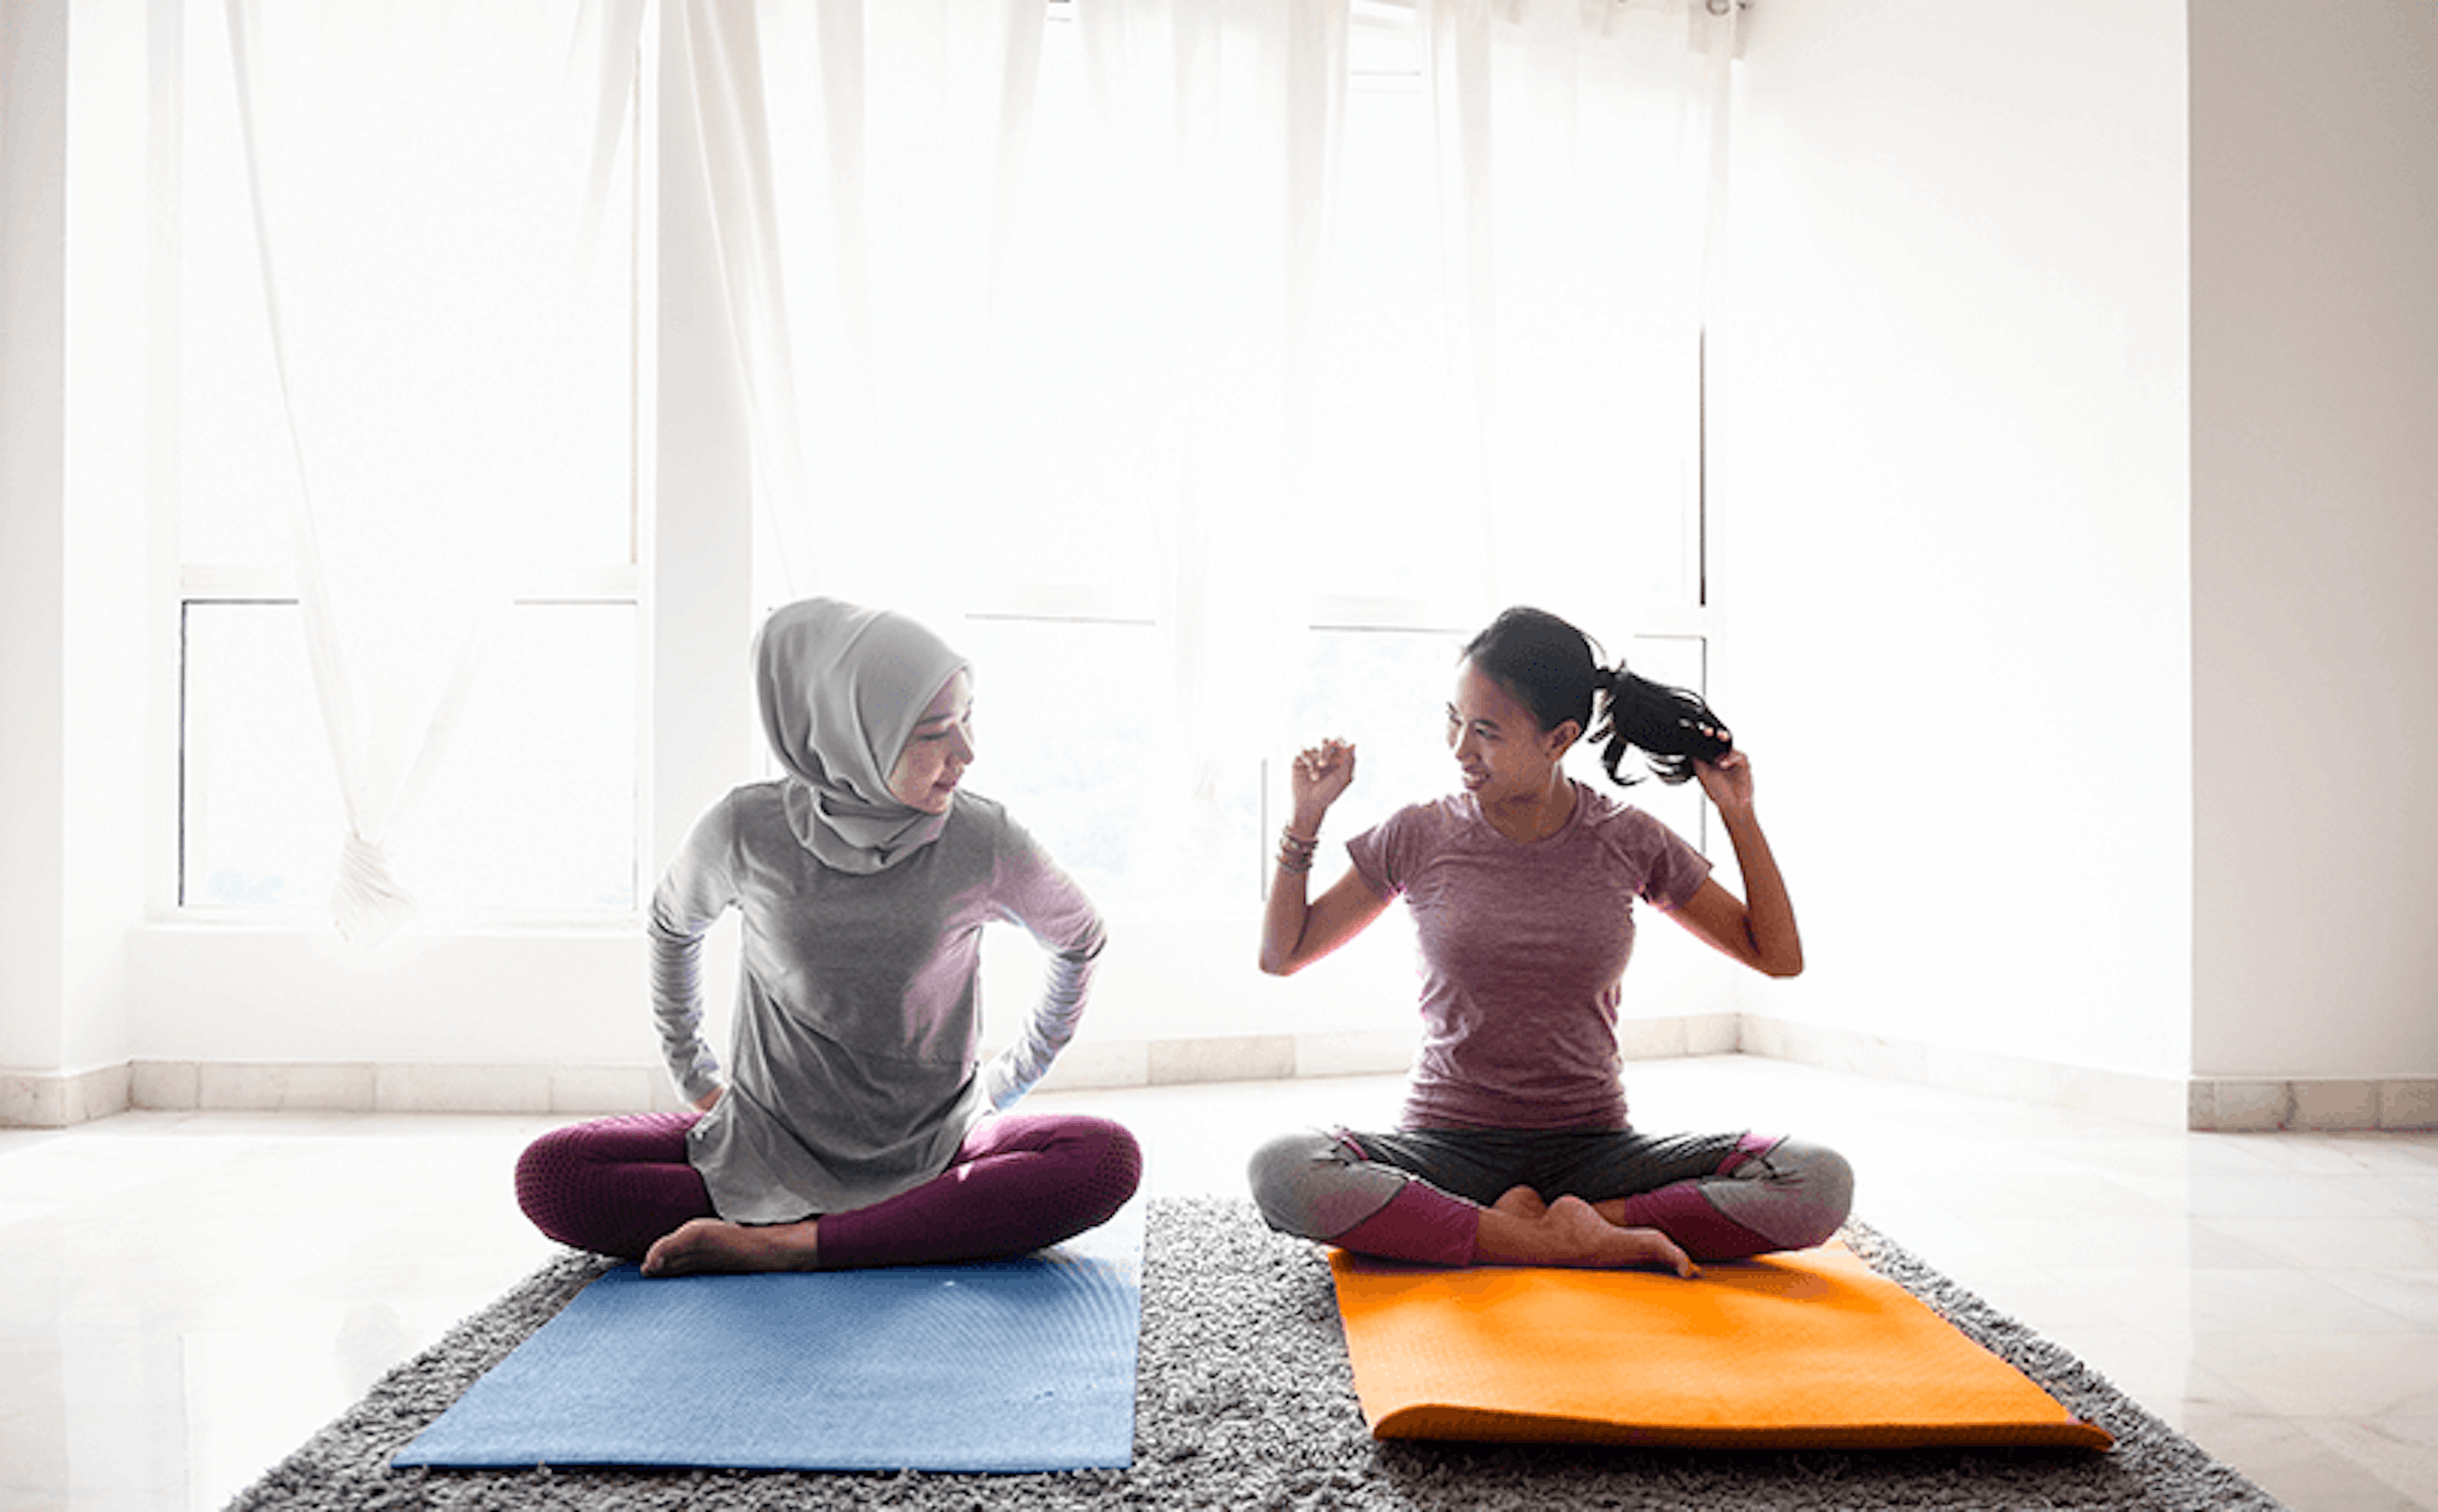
column 855, row 1125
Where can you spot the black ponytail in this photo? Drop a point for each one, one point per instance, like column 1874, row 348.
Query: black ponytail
column 1554, row 670
column 1672, row 726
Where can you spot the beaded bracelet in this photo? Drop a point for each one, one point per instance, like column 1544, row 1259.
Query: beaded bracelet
column 1295, row 851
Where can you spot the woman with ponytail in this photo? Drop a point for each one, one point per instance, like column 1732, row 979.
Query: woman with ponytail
column 1514, row 1147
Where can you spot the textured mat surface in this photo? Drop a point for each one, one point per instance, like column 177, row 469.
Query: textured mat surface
column 1810, row 1350
column 1017, row 1366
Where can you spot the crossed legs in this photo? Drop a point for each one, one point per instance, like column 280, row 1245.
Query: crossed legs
column 1564, row 1197
column 623, row 1187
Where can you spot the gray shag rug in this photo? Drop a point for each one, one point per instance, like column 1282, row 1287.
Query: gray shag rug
column 1246, row 1400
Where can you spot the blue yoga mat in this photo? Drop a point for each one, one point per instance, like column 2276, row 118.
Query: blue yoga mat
column 1004, row 1367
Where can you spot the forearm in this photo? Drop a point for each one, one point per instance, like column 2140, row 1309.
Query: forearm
column 1036, row 893
column 1289, row 907
column 676, row 1010
column 1769, row 912
column 1012, row 1072
column 692, row 893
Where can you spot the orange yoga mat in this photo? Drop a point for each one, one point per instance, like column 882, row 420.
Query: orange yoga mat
column 1809, row 1350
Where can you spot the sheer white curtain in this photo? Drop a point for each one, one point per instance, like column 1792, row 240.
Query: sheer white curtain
column 899, row 136
column 1580, row 147
column 1013, row 356
column 1182, row 323
column 1214, row 141
column 431, row 316
column 1189, row 316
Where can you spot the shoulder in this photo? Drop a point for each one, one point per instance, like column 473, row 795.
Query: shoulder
column 1623, row 829
column 703, row 876
column 736, row 813
column 753, row 819
column 1418, row 826
column 1392, row 853
column 1434, row 818
column 1024, row 877
column 750, row 801
column 1610, row 815
column 1642, row 853
column 983, row 828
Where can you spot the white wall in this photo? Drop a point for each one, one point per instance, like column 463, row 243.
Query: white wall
column 74, row 549
column 33, row 437
column 111, row 549
column 1948, row 467
column 2315, row 531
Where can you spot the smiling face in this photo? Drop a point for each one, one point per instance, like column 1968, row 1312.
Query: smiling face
column 938, row 750
column 1502, row 751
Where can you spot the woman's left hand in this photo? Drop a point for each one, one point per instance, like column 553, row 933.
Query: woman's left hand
column 1729, row 781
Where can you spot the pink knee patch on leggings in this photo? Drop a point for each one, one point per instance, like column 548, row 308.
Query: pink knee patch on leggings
column 1420, row 1224
column 1800, row 1196
column 1746, row 1148
column 1683, row 1214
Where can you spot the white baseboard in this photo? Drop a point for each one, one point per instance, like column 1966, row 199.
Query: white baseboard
column 2321, row 1103
column 2152, row 1099
column 55, row 1099
column 2216, row 1104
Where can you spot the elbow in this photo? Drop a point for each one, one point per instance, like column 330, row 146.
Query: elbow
column 1774, row 954
column 1278, row 962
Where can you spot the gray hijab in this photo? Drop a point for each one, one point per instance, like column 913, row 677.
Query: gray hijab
column 841, row 687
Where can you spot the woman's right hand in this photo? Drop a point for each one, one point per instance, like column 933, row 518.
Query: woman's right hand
column 1320, row 773
column 1297, row 930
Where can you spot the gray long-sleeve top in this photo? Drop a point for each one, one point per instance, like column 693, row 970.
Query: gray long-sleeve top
column 858, row 1012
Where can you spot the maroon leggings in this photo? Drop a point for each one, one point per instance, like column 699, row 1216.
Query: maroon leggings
column 615, row 1184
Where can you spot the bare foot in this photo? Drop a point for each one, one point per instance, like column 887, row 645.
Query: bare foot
column 1522, row 1202
column 711, row 1245
column 1569, row 1233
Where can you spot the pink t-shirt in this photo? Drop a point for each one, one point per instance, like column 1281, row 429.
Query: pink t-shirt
column 1523, row 947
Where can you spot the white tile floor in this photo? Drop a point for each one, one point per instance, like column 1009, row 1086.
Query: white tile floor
column 186, row 1297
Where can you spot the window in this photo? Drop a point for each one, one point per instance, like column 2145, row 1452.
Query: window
column 1201, row 452
column 1200, row 419
column 450, row 383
